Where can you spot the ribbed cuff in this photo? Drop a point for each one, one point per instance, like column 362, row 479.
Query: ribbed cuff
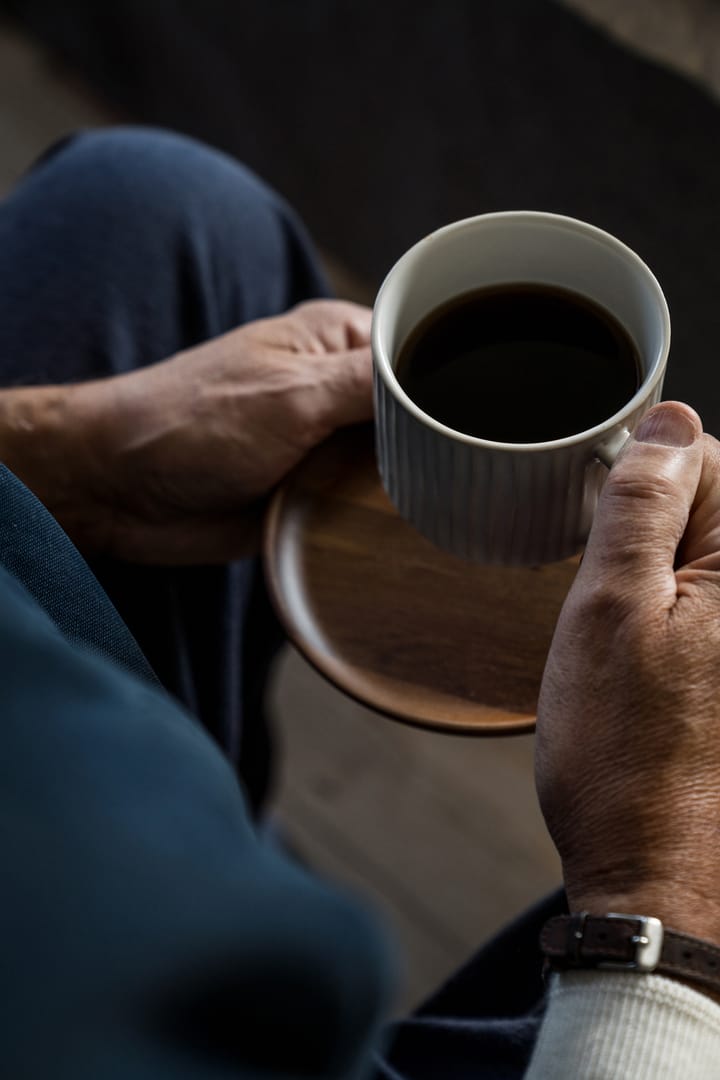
column 625, row 1026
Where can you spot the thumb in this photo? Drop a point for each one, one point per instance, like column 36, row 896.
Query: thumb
column 646, row 501
column 347, row 387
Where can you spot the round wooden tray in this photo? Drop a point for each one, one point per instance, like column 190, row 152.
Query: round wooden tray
column 414, row 633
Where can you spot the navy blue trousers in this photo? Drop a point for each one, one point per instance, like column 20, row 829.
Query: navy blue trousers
column 118, row 249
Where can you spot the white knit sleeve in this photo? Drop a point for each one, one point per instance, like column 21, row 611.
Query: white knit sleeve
column 607, row 1026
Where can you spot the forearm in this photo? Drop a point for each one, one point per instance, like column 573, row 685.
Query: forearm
column 601, row 1026
column 49, row 439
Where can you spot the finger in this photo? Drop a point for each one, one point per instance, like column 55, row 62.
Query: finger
column 645, row 504
column 700, row 547
column 336, row 325
column 347, row 388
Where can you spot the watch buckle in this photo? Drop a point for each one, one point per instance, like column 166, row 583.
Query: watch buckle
column 647, row 940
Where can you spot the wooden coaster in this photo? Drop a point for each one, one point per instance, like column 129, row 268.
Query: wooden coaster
column 414, row 633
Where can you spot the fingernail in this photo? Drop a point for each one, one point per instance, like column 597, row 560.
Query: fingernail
column 667, row 427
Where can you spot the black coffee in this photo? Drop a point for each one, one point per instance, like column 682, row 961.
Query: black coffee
column 520, row 364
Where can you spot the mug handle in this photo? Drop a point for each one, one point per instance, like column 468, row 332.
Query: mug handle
column 608, row 451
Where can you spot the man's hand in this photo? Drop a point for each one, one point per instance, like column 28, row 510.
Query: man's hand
column 628, row 738
column 173, row 463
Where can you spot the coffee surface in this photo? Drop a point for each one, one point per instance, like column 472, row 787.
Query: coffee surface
column 520, row 364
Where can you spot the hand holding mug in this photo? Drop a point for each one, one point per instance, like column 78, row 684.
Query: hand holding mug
column 628, row 735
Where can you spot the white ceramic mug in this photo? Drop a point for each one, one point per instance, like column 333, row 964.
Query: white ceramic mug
column 522, row 503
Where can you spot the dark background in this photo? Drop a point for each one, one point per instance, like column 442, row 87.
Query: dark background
column 383, row 120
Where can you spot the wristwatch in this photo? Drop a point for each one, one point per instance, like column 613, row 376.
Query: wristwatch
column 628, row 943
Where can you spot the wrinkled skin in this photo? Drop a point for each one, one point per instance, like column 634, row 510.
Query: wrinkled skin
column 628, row 737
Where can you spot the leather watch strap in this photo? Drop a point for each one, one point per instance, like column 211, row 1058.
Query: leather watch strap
column 628, row 942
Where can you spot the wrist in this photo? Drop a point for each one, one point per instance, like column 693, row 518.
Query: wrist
column 680, row 908
column 654, row 934
column 49, row 439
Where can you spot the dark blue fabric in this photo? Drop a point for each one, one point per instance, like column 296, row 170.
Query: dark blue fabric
column 120, row 248
column 483, row 1023
column 153, row 934
column 148, row 934
column 35, row 550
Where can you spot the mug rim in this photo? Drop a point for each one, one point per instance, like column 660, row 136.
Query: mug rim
column 385, row 371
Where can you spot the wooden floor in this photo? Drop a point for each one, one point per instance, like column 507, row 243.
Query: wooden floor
column 441, row 833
